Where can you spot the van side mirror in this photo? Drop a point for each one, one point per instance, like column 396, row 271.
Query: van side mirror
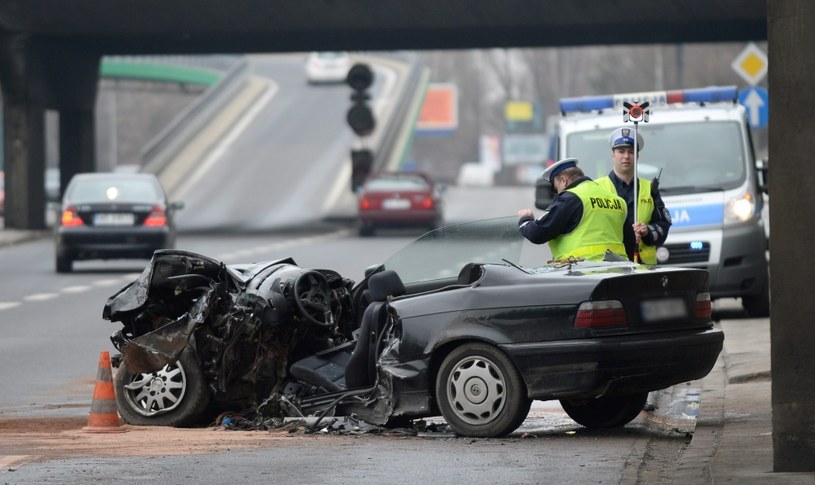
column 544, row 193
column 762, row 169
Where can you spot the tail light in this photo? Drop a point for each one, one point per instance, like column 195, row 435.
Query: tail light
column 70, row 217
column 600, row 314
column 157, row 218
column 427, row 203
column 704, row 308
column 364, row 204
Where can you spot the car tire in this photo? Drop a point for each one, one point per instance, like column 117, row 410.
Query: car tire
column 176, row 395
column 64, row 263
column 480, row 392
column 605, row 412
column 757, row 306
column 366, row 229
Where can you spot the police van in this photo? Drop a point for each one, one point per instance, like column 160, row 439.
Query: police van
column 699, row 145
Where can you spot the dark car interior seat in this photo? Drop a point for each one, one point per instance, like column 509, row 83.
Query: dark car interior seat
column 353, row 364
column 361, row 368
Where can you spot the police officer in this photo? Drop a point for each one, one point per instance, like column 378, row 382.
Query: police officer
column 583, row 221
column 653, row 219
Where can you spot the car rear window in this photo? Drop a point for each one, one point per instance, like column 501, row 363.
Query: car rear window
column 397, row 182
column 118, row 190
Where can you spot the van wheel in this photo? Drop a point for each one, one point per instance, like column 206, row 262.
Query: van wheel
column 757, row 306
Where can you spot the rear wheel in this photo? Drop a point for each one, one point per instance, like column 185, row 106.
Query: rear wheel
column 605, row 412
column 366, row 229
column 176, row 395
column 64, row 263
column 480, row 393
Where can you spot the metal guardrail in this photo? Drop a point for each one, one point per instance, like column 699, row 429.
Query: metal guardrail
column 159, row 151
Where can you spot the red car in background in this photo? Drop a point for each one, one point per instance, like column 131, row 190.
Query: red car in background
column 399, row 199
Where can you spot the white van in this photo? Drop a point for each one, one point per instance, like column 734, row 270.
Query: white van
column 700, row 142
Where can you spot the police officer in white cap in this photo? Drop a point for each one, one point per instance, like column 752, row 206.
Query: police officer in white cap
column 584, row 220
column 653, row 219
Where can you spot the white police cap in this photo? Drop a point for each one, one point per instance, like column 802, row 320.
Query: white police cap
column 624, row 137
column 551, row 171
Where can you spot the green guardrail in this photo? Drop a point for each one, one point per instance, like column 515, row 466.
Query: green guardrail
column 159, row 72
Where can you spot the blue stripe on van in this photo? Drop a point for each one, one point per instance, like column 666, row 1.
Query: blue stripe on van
column 697, row 215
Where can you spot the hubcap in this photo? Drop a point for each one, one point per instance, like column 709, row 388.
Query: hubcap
column 476, row 390
column 158, row 392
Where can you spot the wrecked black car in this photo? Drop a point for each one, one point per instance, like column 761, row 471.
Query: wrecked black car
column 455, row 324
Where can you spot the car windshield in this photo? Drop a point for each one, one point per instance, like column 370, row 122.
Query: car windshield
column 397, row 182
column 113, row 190
column 442, row 253
column 690, row 155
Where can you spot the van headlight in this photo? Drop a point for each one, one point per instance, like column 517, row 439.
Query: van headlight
column 740, row 209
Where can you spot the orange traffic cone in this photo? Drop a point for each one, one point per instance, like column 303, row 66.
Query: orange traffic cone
column 103, row 417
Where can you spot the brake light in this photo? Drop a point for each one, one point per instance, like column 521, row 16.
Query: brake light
column 600, row 314
column 427, row 203
column 70, row 218
column 157, row 218
column 364, row 204
column 704, row 308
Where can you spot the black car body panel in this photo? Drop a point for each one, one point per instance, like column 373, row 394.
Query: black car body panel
column 281, row 338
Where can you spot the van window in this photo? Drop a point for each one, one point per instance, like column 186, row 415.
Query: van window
column 696, row 156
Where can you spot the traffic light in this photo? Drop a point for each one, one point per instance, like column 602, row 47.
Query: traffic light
column 360, row 117
column 361, row 163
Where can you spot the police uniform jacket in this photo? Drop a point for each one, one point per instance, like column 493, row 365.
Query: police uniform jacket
column 658, row 223
column 562, row 216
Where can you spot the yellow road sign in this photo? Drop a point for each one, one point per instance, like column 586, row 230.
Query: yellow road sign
column 751, row 64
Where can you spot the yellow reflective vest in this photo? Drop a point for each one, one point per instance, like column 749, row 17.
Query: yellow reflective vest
column 600, row 228
column 645, row 208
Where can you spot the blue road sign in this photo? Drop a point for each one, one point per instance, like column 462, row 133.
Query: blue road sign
column 757, row 102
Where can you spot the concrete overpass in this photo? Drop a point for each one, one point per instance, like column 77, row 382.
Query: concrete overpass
column 50, row 51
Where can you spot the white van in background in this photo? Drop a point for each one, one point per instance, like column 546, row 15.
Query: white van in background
column 475, row 174
column 701, row 143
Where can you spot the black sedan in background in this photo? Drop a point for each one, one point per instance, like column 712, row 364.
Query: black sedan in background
column 113, row 215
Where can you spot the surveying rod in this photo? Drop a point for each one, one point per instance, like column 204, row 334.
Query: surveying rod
column 636, row 113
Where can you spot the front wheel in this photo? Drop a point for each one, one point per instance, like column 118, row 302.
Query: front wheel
column 480, row 393
column 605, row 412
column 176, row 395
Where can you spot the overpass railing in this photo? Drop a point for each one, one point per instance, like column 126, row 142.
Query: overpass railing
column 159, row 151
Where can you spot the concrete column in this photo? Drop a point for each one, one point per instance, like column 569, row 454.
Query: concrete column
column 24, row 134
column 37, row 75
column 791, row 30
column 77, row 146
column 24, row 153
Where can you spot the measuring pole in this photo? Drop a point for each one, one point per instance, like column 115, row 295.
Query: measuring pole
column 636, row 112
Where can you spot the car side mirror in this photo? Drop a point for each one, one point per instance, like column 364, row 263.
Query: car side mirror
column 544, row 193
column 762, row 169
column 177, row 205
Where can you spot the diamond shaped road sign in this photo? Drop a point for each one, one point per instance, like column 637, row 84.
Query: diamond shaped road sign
column 751, row 64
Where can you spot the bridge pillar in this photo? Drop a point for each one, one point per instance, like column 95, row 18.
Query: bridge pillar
column 791, row 27
column 36, row 75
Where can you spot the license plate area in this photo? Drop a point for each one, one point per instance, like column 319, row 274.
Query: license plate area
column 113, row 219
column 396, row 204
column 663, row 309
